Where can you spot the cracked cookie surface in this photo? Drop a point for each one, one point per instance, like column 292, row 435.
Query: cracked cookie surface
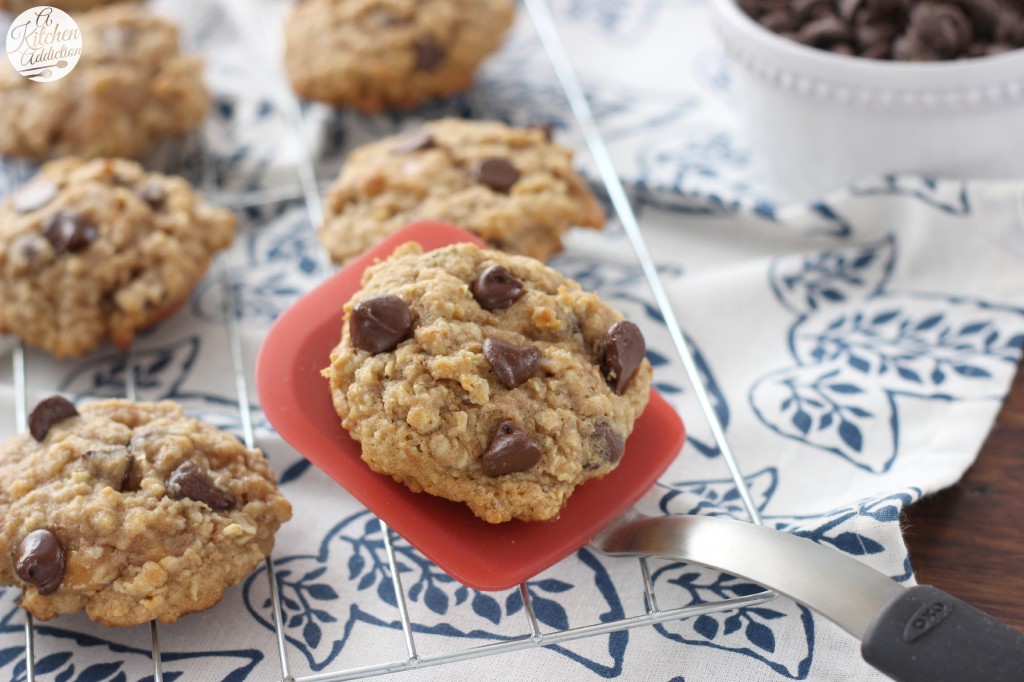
column 131, row 511
column 131, row 88
column 513, row 187
column 91, row 251
column 486, row 378
column 382, row 54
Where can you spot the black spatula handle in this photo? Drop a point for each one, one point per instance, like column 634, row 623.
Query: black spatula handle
column 925, row 635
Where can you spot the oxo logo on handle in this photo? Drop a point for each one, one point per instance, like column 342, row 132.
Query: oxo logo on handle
column 926, row 619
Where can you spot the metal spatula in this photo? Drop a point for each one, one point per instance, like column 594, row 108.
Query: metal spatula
column 915, row 634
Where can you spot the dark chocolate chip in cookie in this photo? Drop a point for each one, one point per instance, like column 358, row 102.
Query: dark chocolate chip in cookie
column 622, row 351
column 35, row 196
column 608, row 442
column 70, row 231
column 379, row 324
column 47, row 413
column 39, row 559
column 511, row 363
column 429, row 53
column 190, row 481
column 113, row 466
column 154, row 195
column 510, row 450
column 496, row 288
column 497, row 173
column 413, row 143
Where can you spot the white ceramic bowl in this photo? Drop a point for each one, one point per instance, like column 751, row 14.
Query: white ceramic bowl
column 819, row 121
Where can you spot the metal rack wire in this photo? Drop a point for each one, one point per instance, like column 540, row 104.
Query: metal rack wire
column 533, row 636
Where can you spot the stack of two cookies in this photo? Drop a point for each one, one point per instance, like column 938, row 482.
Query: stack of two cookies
column 130, row 511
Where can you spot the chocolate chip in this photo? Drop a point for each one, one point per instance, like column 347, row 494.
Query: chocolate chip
column 879, row 51
column 824, row 32
column 112, row 466
column 809, row 10
column 127, row 482
column 780, row 20
column 608, row 442
column 849, row 9
column 510, row 450
column 188, row 480
column 154, row 195
column 870, row 35
column 47, row 413
column 35, row 196
column 497, row 173
column 1010, row 30
column 893, row 10
column 70, row 231
column 413, row 143
column 943, row 30
column 39, row 559
column 622, row 351
column 549, row 131
column 909, row 48
column 513, row 364
column 429, row 53
column 496, row 288
column 379, row 324
column 986, row 16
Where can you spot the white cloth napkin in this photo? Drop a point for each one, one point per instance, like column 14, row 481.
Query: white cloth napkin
column 857, row 351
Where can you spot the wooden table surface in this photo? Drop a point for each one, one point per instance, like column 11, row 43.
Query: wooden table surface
column 969, row 539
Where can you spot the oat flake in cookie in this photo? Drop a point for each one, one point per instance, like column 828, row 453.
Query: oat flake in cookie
column 131, row 511
column 131, row 88
column 510, row 386
column 97, row 250
column 513, row 187
column 383, row 54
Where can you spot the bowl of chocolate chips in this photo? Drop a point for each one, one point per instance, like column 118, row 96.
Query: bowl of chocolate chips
column 838, row 91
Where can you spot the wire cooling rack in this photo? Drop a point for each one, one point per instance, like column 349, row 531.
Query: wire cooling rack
column 309, row 192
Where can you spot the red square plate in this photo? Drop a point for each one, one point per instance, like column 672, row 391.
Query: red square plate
column 484, row 556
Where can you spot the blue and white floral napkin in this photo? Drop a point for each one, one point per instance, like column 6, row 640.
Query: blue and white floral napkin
column 857, row 350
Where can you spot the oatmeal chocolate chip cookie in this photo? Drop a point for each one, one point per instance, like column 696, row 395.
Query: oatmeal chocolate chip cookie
column 513, row 187
column 98, row 250
column 131, row 511
column 486, row 378
column 131, row 88
column 382, row 54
